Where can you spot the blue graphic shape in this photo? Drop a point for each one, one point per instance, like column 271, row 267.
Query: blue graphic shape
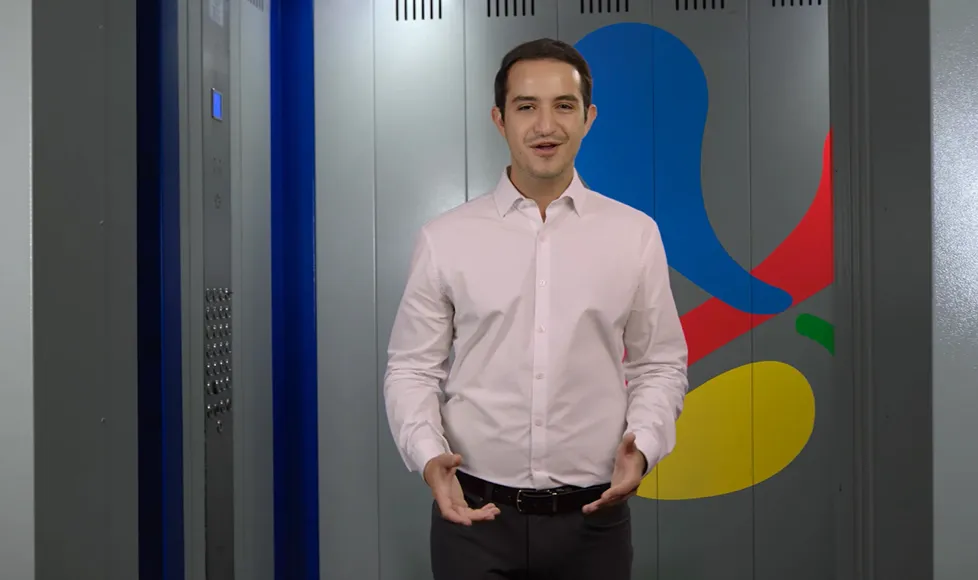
column 645, row 150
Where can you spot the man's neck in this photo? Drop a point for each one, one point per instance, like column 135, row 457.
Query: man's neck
column 543, row 192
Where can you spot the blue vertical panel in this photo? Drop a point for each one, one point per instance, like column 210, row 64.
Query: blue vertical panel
column 294, row 292
column 158, row 286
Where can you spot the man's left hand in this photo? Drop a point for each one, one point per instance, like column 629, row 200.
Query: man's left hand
column 630, row 465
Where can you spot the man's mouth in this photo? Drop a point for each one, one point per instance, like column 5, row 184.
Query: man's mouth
column 546, row 146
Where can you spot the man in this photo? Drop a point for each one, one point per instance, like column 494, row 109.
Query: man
column 552, row 296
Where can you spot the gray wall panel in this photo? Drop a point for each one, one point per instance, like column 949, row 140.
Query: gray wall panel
column 84, row 290
column 489, row 35
column 795, row 519
column 900, row 286
column 711, row 537
column 883, row 167
column 392, row 160
column 192, row 281
column 347, row 333
column 220, row 308
column 16, row 333
column 954, row 54
column 251, row 265
column 848, row 524
column 789, row 106
column 576, row 19
column 420, row 173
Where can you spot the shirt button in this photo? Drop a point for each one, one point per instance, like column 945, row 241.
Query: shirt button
column 541, row 329
column 539, row 375
column 538, row 422
column 543, row 282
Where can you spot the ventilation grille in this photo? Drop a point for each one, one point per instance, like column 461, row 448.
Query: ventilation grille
column 504, row 8
column 259, row 4
column 789, row 3
column 603, row 6
column 417, row 9
column 701, row 4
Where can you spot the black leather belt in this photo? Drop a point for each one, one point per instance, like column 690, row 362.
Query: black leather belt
column 532, row 501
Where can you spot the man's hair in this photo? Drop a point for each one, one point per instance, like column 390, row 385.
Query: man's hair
column 543, row 49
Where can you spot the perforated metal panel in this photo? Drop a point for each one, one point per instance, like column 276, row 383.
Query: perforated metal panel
column 218, row 312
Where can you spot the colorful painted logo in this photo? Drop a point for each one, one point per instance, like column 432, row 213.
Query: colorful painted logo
column 762, row 413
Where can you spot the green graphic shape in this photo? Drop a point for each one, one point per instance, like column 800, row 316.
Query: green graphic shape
column 817, row 329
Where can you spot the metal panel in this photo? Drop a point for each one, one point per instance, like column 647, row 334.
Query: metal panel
column 17, row 542
column 577, row 18
column 345, row 262
column 884, row 174
column 420, row 172
column 845, row 105
column 709, row 537
column 896, row 324
column 193, row 107
column 219, row 323
column 575, row 21
column 82, row 296
column 795, row 526
column 492, row 30
column 251, row 275
column 954, row 54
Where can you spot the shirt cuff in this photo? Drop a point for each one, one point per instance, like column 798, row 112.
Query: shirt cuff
column 649, row 446
column 425, row 450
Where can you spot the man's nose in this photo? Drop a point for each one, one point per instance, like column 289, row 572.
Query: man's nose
column 545, row 124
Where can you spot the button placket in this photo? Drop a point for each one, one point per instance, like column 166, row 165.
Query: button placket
column 541, row 364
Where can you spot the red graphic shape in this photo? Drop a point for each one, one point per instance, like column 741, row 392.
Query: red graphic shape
column 801, row 265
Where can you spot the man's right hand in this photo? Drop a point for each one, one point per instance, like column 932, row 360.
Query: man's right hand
column 439, row 474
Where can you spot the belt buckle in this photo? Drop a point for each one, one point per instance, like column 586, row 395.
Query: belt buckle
column 536, row 494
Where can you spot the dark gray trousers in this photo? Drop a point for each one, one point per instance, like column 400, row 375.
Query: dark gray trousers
column 515, row 546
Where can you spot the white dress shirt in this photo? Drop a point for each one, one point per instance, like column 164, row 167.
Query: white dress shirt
column 540, row 315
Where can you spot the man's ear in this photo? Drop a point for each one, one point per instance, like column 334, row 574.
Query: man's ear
column 592, row 112
column 498, row 121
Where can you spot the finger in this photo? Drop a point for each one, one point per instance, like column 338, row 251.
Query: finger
column 449, row 512
column 489, row 508
column 596, row 505
column 591, row 507
column 620, row 490
column 448, row 461
column 606, row 499
column 484, row 514
column 610, row 497
column 628, row 441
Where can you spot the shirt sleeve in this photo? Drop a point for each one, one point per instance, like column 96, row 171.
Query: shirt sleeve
column 655, row 359
column 418, row 353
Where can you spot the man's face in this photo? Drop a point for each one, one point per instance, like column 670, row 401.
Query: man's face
column 545, row 118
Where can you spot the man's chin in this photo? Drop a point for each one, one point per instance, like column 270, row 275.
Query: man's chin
column 548, row 173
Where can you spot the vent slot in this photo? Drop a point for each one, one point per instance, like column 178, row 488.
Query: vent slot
column 603, row 6
column 790, row 3
column 506, row 8
column 417, row 9
column 259, row 4
column 701, row 4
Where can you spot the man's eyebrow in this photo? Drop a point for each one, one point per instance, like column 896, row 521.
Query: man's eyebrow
column 529, row 99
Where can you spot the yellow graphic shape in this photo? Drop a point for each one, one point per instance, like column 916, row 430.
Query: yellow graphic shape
column 736, row 430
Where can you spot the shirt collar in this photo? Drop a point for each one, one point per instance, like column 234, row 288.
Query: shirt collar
column 507, row 196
